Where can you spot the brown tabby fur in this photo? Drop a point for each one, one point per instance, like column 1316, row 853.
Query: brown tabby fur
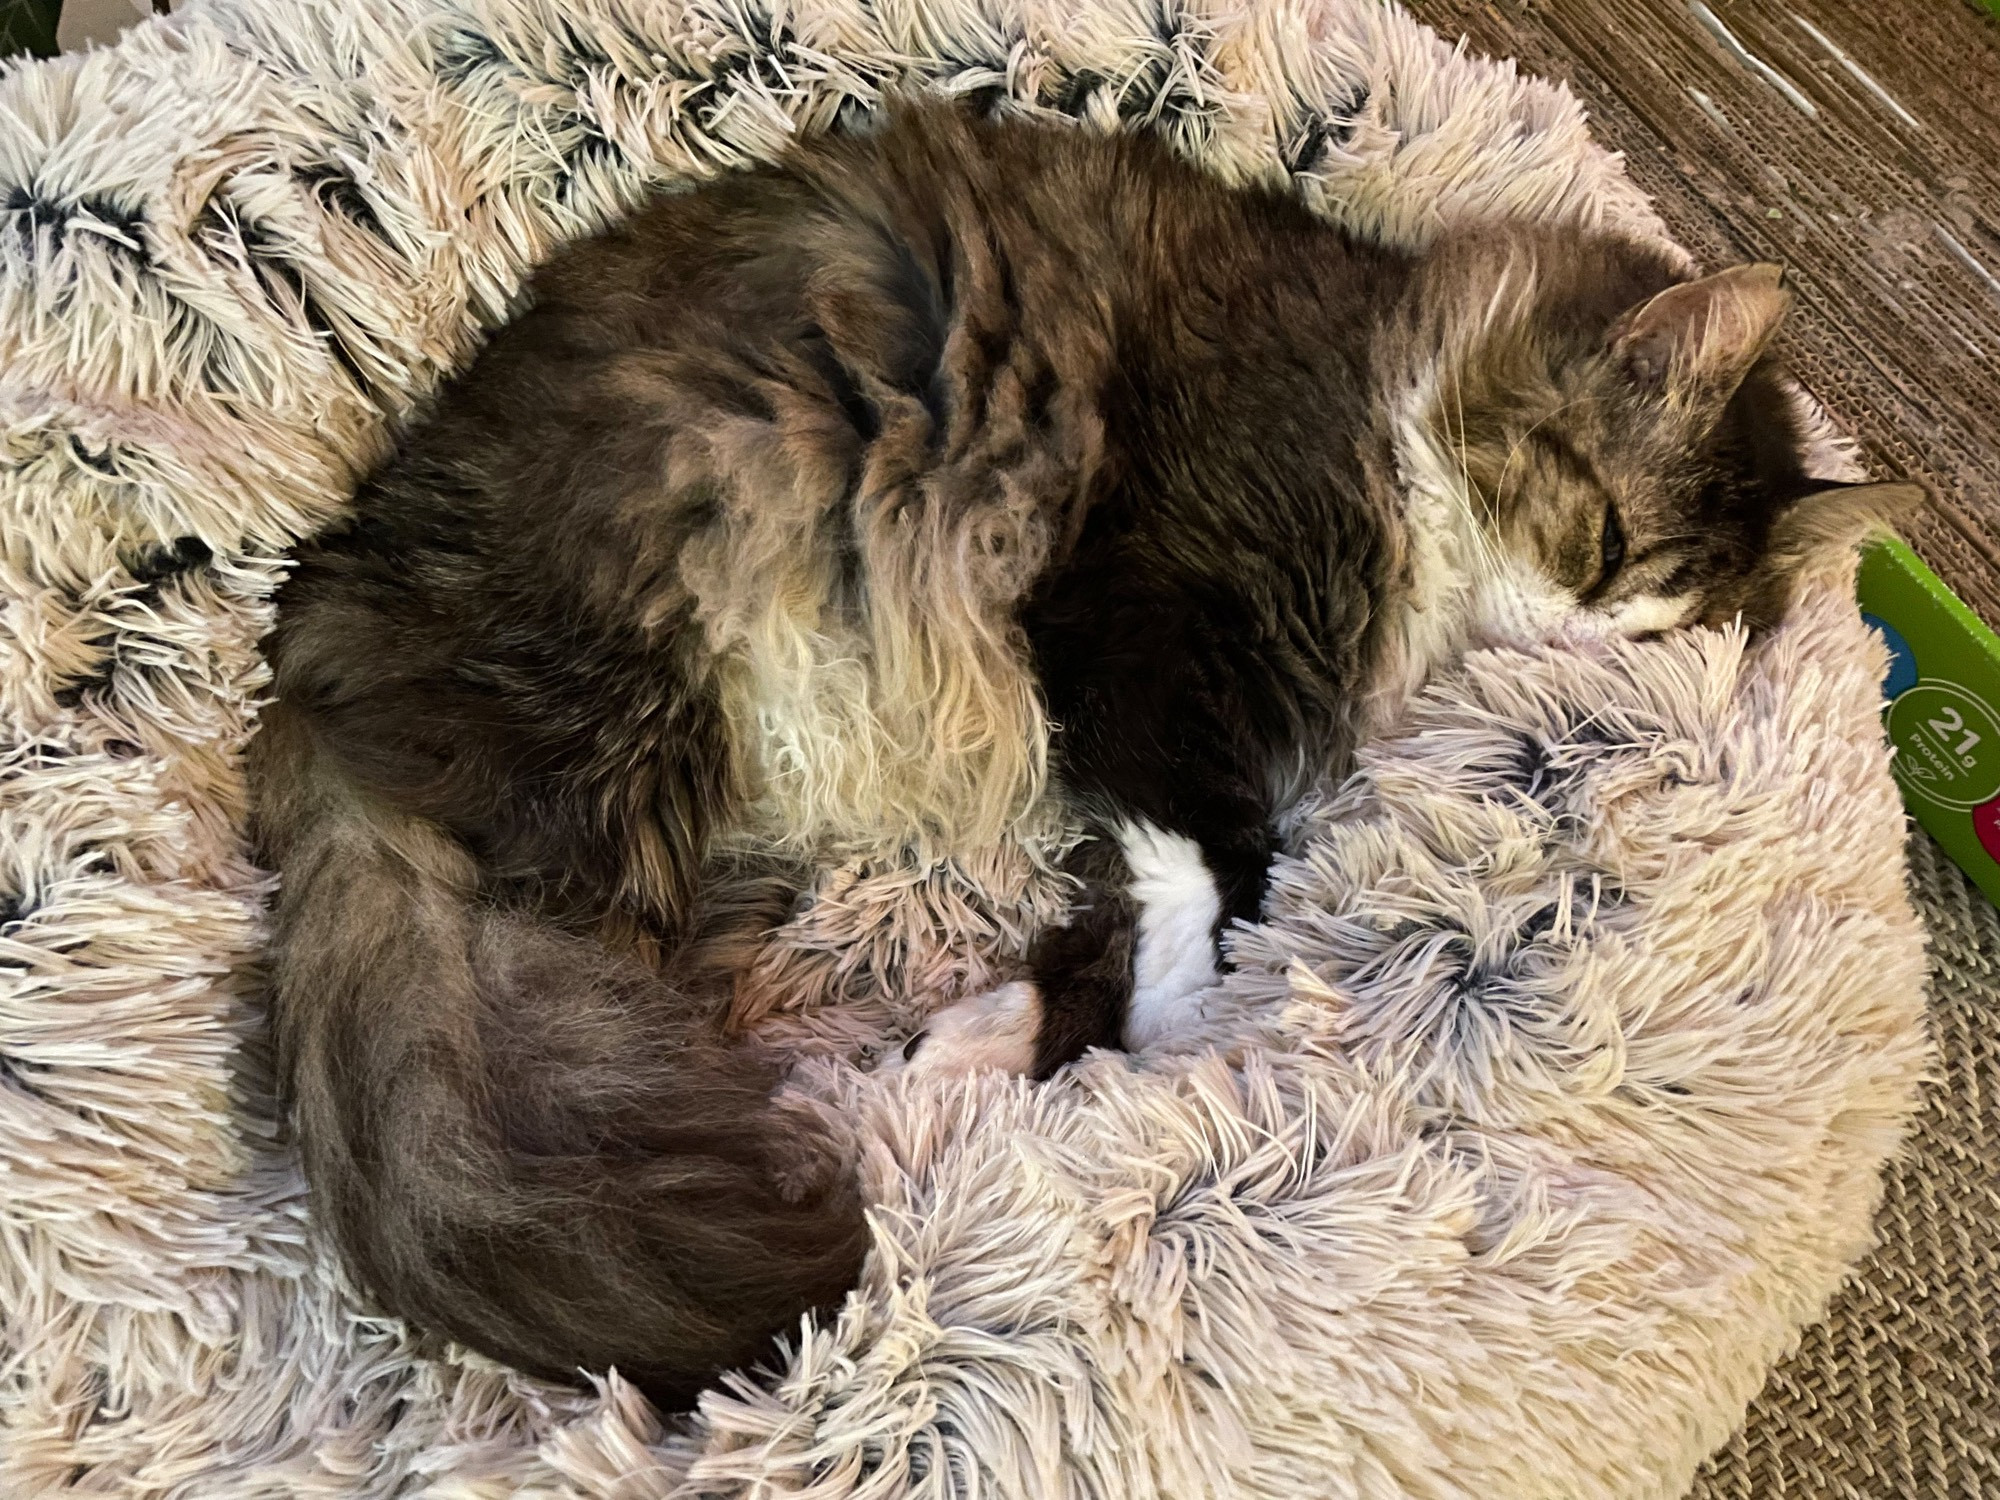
column 870, row 503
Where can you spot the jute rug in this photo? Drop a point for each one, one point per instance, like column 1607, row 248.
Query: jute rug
column 1546, row 1107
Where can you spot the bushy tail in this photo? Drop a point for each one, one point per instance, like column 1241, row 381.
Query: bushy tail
column 517, row 1137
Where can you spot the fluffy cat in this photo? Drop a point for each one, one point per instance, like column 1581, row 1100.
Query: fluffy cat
column 875, row 502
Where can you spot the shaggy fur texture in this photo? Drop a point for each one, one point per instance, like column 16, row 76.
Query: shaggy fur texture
column 1552, row 1095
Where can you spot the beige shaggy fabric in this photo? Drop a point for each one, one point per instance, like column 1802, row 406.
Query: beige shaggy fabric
column 1545, row 1109
column 1897, row 1392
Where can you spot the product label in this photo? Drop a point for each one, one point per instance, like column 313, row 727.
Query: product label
column 1947, row 744
column 1941, row 706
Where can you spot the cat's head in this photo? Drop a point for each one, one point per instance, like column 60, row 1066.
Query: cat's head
column 1620, row 449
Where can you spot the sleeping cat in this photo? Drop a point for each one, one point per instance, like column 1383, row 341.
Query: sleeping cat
column 878, row 502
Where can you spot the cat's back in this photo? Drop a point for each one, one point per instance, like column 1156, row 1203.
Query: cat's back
column 946, row 300
column 937, row 219
column 854, row 272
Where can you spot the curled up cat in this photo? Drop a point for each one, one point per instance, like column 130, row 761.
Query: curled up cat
column 946, row 473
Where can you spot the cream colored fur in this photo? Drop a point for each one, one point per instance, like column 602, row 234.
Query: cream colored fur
column 914, row 722
column 1429, row 1209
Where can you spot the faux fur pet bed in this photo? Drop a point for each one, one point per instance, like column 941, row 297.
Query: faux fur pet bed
column 1545, row 1108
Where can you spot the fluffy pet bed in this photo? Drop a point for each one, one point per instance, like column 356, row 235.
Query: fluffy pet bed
column 1543, row 1111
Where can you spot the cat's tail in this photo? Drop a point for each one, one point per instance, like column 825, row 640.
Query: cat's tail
column 517, row 1137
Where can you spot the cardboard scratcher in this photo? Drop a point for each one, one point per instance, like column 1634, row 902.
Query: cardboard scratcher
column 1545, row 1108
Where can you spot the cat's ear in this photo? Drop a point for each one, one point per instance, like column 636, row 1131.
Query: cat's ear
column 1840, row 516
column 1813, row 531
column 1694, row 343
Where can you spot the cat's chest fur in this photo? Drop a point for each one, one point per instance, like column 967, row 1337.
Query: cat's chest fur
column 1206, row 647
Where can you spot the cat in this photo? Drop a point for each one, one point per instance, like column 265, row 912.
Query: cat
column 951, row 471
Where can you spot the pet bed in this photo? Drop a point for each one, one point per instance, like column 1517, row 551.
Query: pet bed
column 1546, row 1107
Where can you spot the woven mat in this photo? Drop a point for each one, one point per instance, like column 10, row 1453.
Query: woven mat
column 1896, row 1394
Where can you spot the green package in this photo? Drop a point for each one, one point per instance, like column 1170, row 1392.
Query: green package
column 1942, row 690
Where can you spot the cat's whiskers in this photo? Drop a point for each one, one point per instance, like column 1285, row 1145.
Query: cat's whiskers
column 1479, row 531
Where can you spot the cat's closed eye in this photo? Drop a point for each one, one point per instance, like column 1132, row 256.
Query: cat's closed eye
column 1610, row 546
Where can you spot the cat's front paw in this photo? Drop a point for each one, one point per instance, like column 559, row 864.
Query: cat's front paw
column 996, row 1030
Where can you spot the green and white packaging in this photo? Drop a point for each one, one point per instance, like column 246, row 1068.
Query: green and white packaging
column 1943, row 706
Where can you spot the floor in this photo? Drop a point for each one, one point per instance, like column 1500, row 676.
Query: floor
column 1858, row 143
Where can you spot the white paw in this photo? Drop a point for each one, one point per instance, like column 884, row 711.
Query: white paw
column 1178, row 910
column 1158, row 1014
column 994, row 1030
